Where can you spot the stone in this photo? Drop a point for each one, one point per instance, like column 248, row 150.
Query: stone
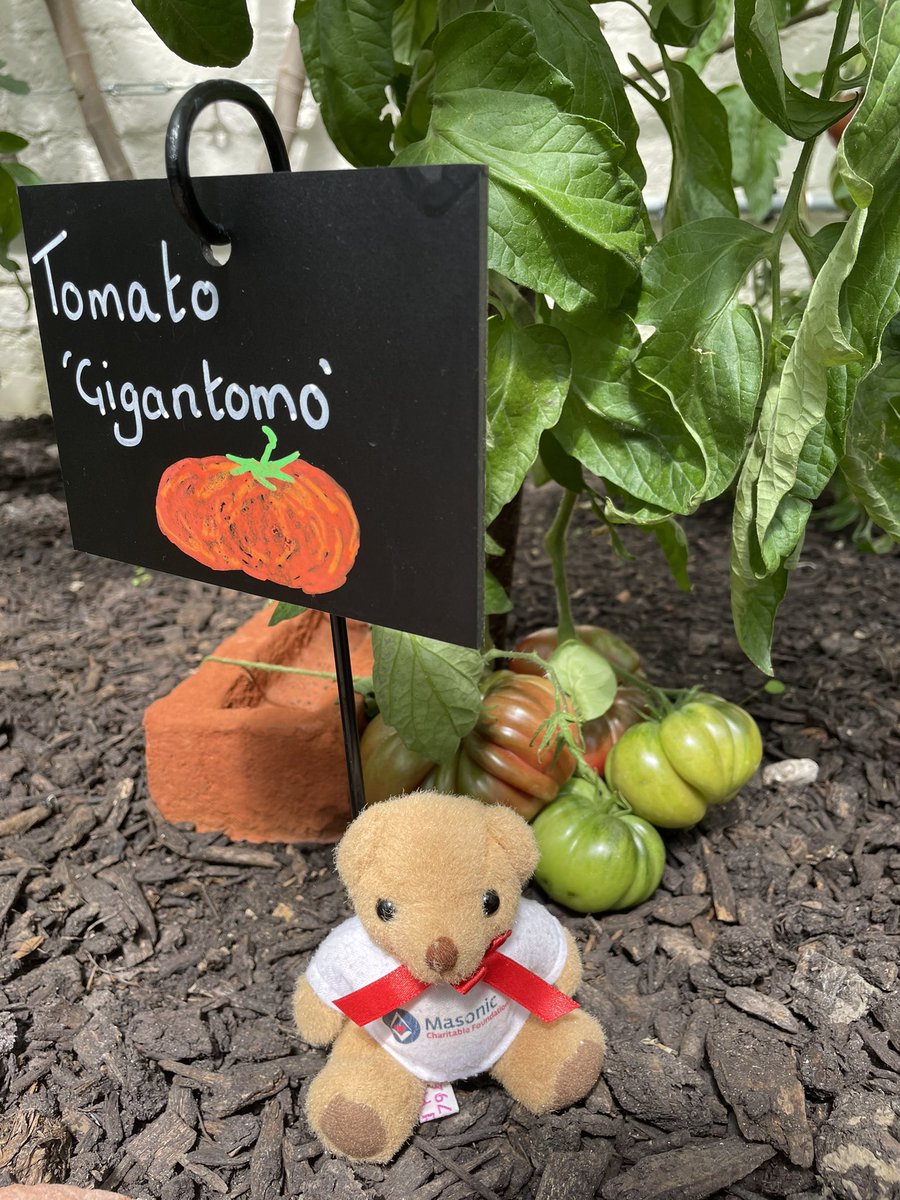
column 791, row 772
column 257, row 754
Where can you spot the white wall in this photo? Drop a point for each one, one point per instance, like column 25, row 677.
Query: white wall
column 142, row 81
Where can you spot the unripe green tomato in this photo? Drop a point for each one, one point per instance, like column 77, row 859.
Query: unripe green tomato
column 670, row 771
column 595, row 857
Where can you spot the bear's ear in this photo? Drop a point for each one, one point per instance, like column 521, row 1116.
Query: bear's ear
column 514, row 836
column 356, row 848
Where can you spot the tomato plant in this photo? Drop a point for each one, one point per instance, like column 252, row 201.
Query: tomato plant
column 12, row 173
column 596, row 856
column 647, row 368
column 669, row 771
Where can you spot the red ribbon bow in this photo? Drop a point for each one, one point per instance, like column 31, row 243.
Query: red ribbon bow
column 399, row 986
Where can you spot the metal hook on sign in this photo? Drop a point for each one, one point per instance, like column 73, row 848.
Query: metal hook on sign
column 178, row 136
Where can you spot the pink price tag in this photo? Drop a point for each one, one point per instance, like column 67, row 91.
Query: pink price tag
column 439, row 1101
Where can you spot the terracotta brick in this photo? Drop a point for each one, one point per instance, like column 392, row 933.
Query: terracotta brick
column 55, row 1191
column 259, row 755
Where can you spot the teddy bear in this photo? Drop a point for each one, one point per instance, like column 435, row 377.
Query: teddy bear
column 444, row 972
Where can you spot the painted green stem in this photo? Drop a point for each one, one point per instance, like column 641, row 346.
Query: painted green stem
column 555, row 545
column 265, row 468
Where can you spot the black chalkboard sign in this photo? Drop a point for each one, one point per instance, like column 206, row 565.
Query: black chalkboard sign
column 304, row 422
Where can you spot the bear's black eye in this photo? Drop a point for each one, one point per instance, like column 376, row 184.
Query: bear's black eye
column 490, row 902
column 386, row 910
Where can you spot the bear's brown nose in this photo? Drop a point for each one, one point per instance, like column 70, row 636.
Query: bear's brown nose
column 441, row 955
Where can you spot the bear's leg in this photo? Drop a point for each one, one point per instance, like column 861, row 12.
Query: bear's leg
column 363, row 1104
column 551, row 1065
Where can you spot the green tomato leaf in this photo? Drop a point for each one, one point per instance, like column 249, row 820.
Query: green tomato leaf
column 210, row 35
column 21, row 174
column 427, row 690
column 792, row 455
column 871, row 463
column 667, row 422
column 564, row 218
column 796, row 430
column 701, row 152
column 695, row 272
column 10, row 217
column 870, row 300
column 528, row 377
column 349, row 57
column 11, row 143
column 496, row 601
column 674, row 545
column 870, row 14
column 285, row 612
column 492, row 547
column 559, row 465
column 586, row 677
column 707, row 351
column 449, row 10
column 413, row 124
column 822, row 243
column 756, row 146
column 9, row 83
column 414, row 23
column 570, row 37
column 680, row 22
column 755, row 597
column 707, row 45
column 620, row 425
column 869, row 148
column 758, row 52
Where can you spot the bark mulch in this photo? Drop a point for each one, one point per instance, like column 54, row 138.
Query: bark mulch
column 751, row 1005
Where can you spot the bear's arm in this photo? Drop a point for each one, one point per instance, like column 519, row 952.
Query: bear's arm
column 318, row 1024
column 570, row 976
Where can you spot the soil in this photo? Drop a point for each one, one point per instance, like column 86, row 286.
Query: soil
column 751, row 1006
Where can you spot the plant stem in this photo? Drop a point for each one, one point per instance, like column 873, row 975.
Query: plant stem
column 277, row 667
column 727, row 43
column 835, row 53
column 640, row 12
column 555, row 545
column 790, row 220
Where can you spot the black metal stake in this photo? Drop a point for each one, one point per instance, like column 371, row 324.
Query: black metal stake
column 347, row 698
column 178, row 135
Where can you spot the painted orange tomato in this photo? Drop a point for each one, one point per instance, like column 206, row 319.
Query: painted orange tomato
column 284, row 520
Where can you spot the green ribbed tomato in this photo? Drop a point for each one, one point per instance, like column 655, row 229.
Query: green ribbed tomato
column 595, row 855
column 670, row 771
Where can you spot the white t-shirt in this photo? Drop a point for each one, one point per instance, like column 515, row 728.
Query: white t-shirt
column 441, row 1036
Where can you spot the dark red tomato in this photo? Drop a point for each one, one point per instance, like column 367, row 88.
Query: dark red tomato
column 500, row 761
column 600, row 735
column 620, row 656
